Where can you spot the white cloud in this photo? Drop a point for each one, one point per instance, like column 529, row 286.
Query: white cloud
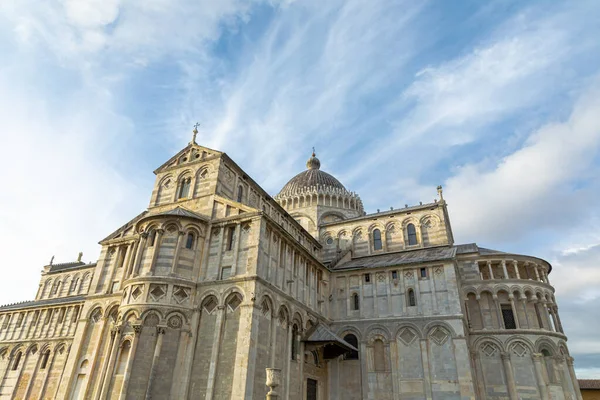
column 524, row 188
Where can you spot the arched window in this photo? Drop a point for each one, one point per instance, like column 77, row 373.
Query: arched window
column 377, row 245
column 412, row 301
column 355, row 302
column 412, row 234
column 184, row 188
column 294, row 343
column 240, row 193
column 379, row 355
column 351, row 339
column 189, row 243
column 123, row 357
column 45, row 359
column 17, row 361
column 151, row 238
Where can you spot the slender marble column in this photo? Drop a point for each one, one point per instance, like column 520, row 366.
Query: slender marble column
column 516, row 266
column 177, row 251
column 489, row 265
column 574, row 378
column 511, row 298
column 510, row 377
column 215, row 352
column 160, row 333
column 136, row 338
column 537, row 363
column 156, row 250
column 45, row 378
column 138, row 255
column 109, row 364
column 478, row 298
column 505, row 270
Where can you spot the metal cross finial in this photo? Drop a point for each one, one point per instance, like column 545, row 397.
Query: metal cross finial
column 313, row 151
column 195, row 132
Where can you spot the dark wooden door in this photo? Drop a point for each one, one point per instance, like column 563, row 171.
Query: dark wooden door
column 311, row 389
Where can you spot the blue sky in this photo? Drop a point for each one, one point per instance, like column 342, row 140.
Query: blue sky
column 498, row 101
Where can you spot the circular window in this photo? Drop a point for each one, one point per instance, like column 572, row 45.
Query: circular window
column 184, row 158
column 197, row 155
column 329, row 240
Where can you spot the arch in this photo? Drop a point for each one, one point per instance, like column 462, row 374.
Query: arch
column 479, row 342
column 501, row 288
column 148, row 313
column 129, row 313
column 209, row 303
column 190, row 240
column 298, row 319
column 545, row 343
column 176, row 319
column 510, row 343
column 16, row 361
column 283, row 314
column 124, row 351
column 240, row 193
column 377, row 330
column 335, row 214
column 44, row 360
column 375, row 225
column 427, row 217
column 407, row 325
column 411, row 298
column 429, row 328
column 234, row 300
column 95, row 311
column 231, row 290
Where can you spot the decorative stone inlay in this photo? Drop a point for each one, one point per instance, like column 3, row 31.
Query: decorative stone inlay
column 181, row 294
column 408, row 274
column 137, row 292
column 489, row 350
column 234, row 302
column 381, row 277
column 519, row 349
column 96, row 316
column 407, row 336
column 438, row 270
column 439, row 336
column 210, row 305
column 175, row 322
column 157, row 292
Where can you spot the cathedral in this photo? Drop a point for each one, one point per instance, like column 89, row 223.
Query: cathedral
column 218, row 289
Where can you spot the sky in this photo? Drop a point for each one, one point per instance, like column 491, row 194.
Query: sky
column 497, row 101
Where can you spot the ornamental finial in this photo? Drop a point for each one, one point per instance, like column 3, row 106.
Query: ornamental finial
column 195, row 132
column 440, row 191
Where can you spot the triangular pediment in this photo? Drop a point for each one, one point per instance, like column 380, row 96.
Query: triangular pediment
column 191, row 153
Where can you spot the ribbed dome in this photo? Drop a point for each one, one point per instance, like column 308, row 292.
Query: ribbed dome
column 313, row 176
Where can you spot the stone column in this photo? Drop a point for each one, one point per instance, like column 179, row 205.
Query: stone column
column 537, row 363
column 109, row 364
column 558, row 319
column 236, row 250
column 511, row 298
column 516, row 266
column 138, row 255
column 417, row 277
column 5, row 372
column 498, row 312
column 24, row 360
column 177, row 251
column 364, row 369
column 136, row 338
column 129, row 255
column 160, row 333
column 505, row 270
column 574, row 378
column 33, row 375
column 97, row 351
column 189, row 355
column 113, row 269
column 45, row 378
column 156, row 250
column 215, row 352
column 489, row 265
column 524, row 300
column 426, row 371
column 478, row 298
column 510, row 377
column 537, row 274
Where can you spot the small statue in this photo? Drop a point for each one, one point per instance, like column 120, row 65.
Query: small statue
column 51, row 260
column 79, row 256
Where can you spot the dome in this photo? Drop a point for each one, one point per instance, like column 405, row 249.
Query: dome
column 312, row 177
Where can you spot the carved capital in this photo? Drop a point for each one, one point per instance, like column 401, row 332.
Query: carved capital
column 570, row 361
column 505, row 356
column 160, row 231
column 137, row 328
column 161, row 330
column 537, row 357
column 144, row 235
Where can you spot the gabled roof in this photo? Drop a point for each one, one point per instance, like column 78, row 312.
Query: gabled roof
column 178, row 212
column 321, row 334
column 69, row 266
column 39, row 303
column 124, row 227
column 183, row 151
column 399, row 258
